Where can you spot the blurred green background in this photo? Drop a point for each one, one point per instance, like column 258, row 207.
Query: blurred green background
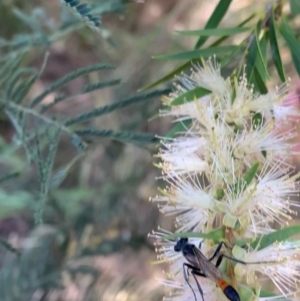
column 94, row 245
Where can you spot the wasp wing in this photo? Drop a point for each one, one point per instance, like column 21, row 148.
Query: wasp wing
column 207, row 267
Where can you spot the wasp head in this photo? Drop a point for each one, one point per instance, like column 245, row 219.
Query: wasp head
column 180, row 244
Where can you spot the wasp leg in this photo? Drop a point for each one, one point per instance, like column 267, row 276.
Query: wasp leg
column 233, row 259
column 194, row 271
column 186, row 278
column 217, row 251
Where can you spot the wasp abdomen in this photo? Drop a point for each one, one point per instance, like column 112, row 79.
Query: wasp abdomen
column 228, row 290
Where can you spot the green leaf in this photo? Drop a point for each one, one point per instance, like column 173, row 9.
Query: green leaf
column 10, row 203
column 246, row 293
column 257, row 120
column 45, row 166
column 295, row 7
column 169, row 76
column 249, row 176
column 119, row 135
column 261, row 62
column 86, row 89
column 215, row 19
column 193, row 54
column 186, row 65
column 255, row 61
column 215, row 31
column 68, row 78
column 292, row 43
column 62, row 173
column 216, row 235
column 84, row 12
column 258, row 82
column 276, row 236
column 230, row 56
column 266, row 294
column 23, row 88
column 276, row 57
column 219, row 194
column 9, row 68
column 247, row 179
column 9, row 176
column 190, row 96
column 79, row 144
column 83, row 117
column 100, row 85
column 179, row 127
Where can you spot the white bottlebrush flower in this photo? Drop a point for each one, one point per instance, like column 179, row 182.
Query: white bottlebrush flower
column 279, row 262
column 266, row 200
column 186, row 198
column 230, row 168
column 184, row 156
column 181, row 291
column 250, row 145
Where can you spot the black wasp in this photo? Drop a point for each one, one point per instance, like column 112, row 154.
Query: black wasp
column 199, row 265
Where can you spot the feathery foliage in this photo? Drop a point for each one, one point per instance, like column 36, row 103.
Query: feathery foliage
column 259, row 46
column 38, row 133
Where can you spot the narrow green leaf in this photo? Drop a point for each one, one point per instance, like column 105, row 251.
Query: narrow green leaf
column 257, row 120
column 186, row 65
column 22, row 89
column 86, row 89
column 45, row 166
column 193, row 54
column 295, row 7
column 11, row 203
column 121, row 135
column 230, row 56
column 79, row 144
column 276, row 236
column 84, row 12
column 215, row 19
column 258, row 82
column 246, row 293
column 100, row 85
column 15, row 79
column 263, row 44
column 115, row 106
column 60, row 175
column 265, row 294
column 276, row 57
column 241, row 184
column 261, row 62
column 10, row 67
column 224, row 38
column 249, row 176
column 216, row 235
column 256, row 61
column 190, row 95
column 9, row 176
column 292, row 43
column 219, row 194
column 215, row 31
column 250, row 60
column 169, row 76
column 67, row 78
column 179, row 127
